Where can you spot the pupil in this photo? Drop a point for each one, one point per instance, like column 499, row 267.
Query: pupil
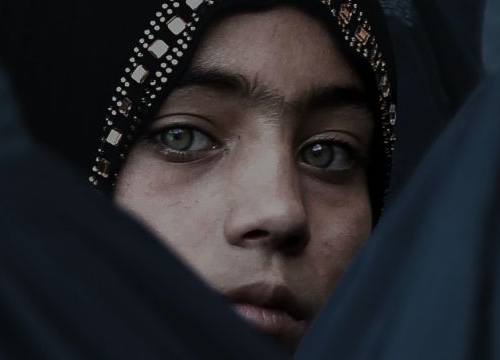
column 321, row 155
column 317, row 150
column 179, row 139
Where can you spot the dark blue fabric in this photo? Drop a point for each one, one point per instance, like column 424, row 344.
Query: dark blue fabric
column 491, row 45
column 86, row 282
column 400, row 9
column 10, row 128
column 80, row 280
column 437, row 47
column 453, row 29
column 427, row 284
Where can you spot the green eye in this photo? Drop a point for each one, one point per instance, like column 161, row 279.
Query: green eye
column 327, row 155
column 184, row 139
column 177, row 139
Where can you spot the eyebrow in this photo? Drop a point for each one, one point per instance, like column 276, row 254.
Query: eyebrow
column 337, row 96
column 231, row 83
column 330, row 96
column 213, row 78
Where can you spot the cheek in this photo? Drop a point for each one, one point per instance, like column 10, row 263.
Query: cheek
column 187, row 211
column 340, row 223
column 183, row 211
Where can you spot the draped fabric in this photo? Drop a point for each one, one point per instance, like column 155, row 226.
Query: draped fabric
column 427, row 284
column 10, row 129
column 491, row 45
column 86, row 282
column 64, row 59
column 437, row 47
column 80, row 280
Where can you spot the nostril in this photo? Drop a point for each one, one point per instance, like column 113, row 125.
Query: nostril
column 293, row 245
column 293, row 241
column 256, row 234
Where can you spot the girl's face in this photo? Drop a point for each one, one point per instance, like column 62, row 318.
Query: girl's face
column 254, row 172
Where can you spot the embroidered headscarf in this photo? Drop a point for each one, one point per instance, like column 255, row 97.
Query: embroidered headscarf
column 100, row 72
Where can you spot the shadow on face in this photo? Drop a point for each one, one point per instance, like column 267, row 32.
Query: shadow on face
column 254, row 169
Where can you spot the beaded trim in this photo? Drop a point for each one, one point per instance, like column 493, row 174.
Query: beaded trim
column 155, row 57
column 357, row 32
column 165, row 42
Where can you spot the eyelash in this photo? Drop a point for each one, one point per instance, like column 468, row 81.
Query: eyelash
column 351, row 150
column 151, row 137
column 191, row 155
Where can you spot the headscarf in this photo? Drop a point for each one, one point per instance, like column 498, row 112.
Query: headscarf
column 100, row 71
column 88, row 282
column 427, row 284
column 438, row 61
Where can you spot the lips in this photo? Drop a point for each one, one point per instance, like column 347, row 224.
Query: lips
column 269, row 320
column 272, row 309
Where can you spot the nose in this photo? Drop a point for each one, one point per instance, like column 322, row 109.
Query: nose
column 266, row 207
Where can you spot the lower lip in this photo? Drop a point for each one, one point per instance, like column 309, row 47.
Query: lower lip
column 270, row 321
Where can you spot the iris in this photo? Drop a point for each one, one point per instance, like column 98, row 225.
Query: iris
column 178, row 139
column 184, row 139
column 326, row 156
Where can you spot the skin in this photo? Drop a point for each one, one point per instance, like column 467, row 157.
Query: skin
column 243, row 205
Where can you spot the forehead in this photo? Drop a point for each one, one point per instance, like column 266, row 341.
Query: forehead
column 283, row 48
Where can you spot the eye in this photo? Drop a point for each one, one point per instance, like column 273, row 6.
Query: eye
column 327, row 155
column 183, row 139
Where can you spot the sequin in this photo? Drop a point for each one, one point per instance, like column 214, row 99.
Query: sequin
column 114, row 137
column 345, row 13
column 362, row 35
column 102, row 167
column 176, row 25
column 140, row 74
column 194, row 4
column 125, row 107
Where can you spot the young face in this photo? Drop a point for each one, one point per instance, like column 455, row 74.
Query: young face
column 253, row 170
